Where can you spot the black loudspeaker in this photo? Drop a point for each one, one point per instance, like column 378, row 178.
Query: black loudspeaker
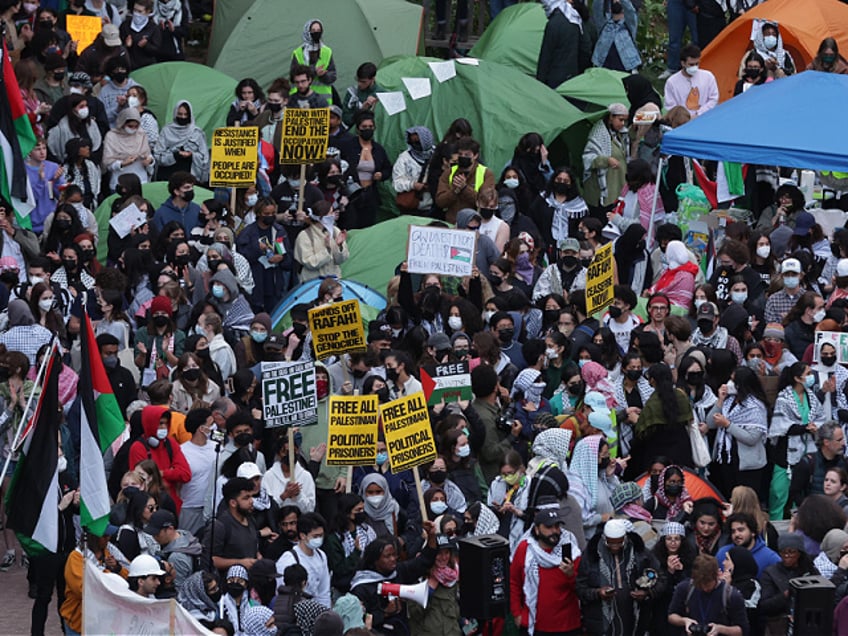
column 812, row 613
column 484, row 579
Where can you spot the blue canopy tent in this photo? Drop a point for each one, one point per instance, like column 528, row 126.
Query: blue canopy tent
column 788, row 122
column 371, row 301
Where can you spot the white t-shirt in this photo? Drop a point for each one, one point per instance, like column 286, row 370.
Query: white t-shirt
column 317, row 569
column 490, row 228
column 622, row 331
column 201, row 460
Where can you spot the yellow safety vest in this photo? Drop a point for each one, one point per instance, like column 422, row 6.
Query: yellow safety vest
column 479, row 176
column 324, row 56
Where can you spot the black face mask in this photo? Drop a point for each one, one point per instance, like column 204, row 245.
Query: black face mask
column 705, row 325
column 160, row 321
column 212, row 264
column 569, row 262
column 585, row 262
column 359, row 518
column 467, row 527
column 561, row 188
column 496, row 280
column 243, row 439
column 187, row 196
column 358, row 373
column 69, row 265
column 751, row 73
column 88, row 254
column 299, row 329
column 505, row 335
column 673, row 489
column 214, row 596
column 615, row 312
column 383, row 394
column 192, row 375
column 274, row 108
column 438, row 476
column 59, row 76
column 316, row 36
column 267, row 221
column 119, row 77
column 487, row 213
column 695, row 378
column 550, row 539
column 182, row 121
column 602, row 465
column 366, row 133
column 182, row 259
column 828, row 361
column 203, row 354
column 392, row 374
column 64, row 224
column 551, row 315
column 655, row 482
column 235, row 589
column 576, row 388
column 633, row 374
column 464, row 162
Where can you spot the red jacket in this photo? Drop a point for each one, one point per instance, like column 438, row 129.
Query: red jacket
column 173, row 466
column 557, row 608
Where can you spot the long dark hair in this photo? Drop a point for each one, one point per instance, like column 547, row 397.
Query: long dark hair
column 664, row 387
column 788, row 374
column 748, row 385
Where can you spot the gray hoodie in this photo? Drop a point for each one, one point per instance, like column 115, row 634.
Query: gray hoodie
column 182, row 553
column 487, row 252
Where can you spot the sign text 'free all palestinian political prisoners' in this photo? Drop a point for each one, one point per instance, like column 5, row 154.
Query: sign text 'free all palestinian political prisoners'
column 337, row 328
column 409, row 436
column 289, row 394
column 352, row 437
column 599, row 280
column 234, row 157
column 433, row 250
column 305, row 135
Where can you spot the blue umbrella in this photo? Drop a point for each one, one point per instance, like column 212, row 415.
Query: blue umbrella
column 308, row 292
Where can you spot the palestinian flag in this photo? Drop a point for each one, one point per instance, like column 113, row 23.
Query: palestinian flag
column 101, row 423
column 16, row 140
column 32, row 504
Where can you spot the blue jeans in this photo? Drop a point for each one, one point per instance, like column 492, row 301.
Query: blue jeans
column 679, row 17
column 70, row 632
column 496, row 6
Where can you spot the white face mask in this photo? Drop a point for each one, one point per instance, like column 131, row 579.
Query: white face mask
column 551, row 354
column 76, row 90
column 699, row 302
column 731, row 387
column 455, row 323
column 63, row 464
column 487, row 316
column 463, row 451
column 770, row 41
column 763, row 251
column 161, row 433
column 132, row 101
column 82, row 113
column 251, row 199
column 691, row 70
column 818, row 316
column 45, row 304
column 375, row 500
column 35, row 280
column 512, row 184
column 315, row 542
column 130, row 131
column 739, row 297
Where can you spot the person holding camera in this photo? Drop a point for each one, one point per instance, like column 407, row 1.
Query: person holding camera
column 543, row 598
column 707, row 605
column 617, row 578
column 502, row 430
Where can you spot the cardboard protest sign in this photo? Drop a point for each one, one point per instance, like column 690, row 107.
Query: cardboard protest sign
column 599, row 280
column 83, row 29
column 352, row 437
column 305, row 135
column 337, row 328
column 433, row 250
column 234, row 157
column 409, row 436
column 289, row 396
column 448, row 382
column 838, row 339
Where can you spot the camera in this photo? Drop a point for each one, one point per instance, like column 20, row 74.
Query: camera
column 506, row 418
column 697, row 629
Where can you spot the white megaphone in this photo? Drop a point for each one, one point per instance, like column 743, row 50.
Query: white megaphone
column 417, row 593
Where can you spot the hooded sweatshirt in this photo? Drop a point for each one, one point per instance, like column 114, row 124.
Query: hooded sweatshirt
column 236, row 309
column 487, row 252
column 173, row 465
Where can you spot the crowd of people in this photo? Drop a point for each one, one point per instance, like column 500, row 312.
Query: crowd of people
column 585, row 434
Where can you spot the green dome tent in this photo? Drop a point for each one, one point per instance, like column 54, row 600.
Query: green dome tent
column 209, row 91
column 514, row 38
column 260, row 42
column 155, row 192
column 501, row 103
column 226, row 16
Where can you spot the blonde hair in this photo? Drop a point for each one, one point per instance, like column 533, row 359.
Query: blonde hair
column 744, row 499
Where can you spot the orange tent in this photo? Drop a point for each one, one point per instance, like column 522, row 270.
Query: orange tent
column 698, row 487
column 803, row 25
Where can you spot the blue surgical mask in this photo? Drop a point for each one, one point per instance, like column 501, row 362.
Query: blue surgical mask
column 791, row 282
column 512, row 184
column 438, row 507
column 259, row 336
column 382, row 458
column 218, row 291
column 581, row 363
column 809, row 381
column 463, row 451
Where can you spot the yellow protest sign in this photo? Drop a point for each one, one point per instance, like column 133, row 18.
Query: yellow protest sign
column 352, row 438
column 305, row 135
column 409, row 436
column 337, row 328
column 599, row 280
column 83, row 29
column 234, row 157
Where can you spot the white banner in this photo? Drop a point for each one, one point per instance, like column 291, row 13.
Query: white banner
column 435, row 250
column 109, row 607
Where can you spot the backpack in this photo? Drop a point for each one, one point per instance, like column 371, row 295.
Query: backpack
column 725, row 598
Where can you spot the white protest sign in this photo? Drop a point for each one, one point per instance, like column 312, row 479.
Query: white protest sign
column 838, row 339
column 127, row 220
column 434, row 250
column 289, row 396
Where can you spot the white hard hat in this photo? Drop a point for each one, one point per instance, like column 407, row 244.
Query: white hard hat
column 145, row 565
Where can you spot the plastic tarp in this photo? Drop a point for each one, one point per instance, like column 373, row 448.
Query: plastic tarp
column 501, row 103
column 776, row 124
column 514, row 38
column 596, row 87
column 155, row 192
column 803, row 25
column 260, row 43
column 209, row 91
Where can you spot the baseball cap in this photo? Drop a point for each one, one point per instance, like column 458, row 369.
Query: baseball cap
column 159, row 520
column 803, row 223
column 80, row 77
column 446, row 542
column 379, row 330
column 569, row 244
column 439, row 341
column 547, row 518
column 248, row 470
column 145, row 565
column 597, row 402
column 790, row 265
column 336, row 110
column 707, row 310
column 111, row 35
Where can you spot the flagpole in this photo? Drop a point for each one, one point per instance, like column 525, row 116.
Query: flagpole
column 23, row 421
